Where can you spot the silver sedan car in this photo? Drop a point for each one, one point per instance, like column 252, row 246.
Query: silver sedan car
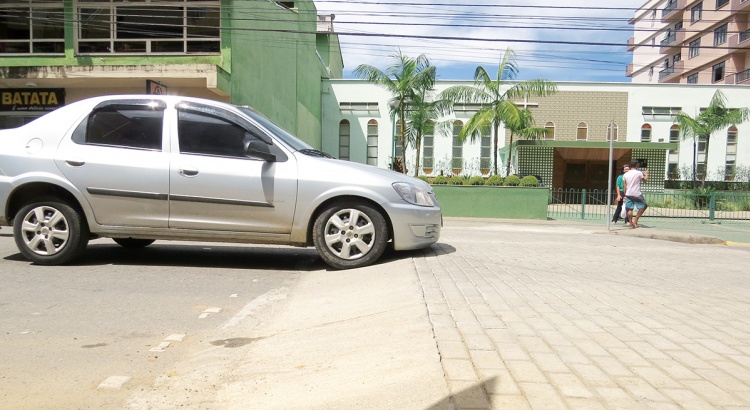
column 139, row 168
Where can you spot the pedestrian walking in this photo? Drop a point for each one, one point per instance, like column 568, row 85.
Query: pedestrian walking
column 633, row 195
column 620, row 188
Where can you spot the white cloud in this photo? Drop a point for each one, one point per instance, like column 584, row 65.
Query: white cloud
column 533, row 31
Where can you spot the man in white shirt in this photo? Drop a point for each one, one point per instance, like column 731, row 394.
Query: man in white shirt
column 633, row 195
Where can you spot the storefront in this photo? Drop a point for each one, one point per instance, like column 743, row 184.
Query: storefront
column 19, row 106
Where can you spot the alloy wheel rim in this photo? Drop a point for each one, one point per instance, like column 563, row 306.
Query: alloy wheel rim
column 45, row 230
column 350, row 234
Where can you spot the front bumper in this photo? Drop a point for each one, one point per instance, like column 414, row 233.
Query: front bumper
column 414, row 227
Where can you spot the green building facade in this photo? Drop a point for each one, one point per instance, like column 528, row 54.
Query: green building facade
column 270, row 55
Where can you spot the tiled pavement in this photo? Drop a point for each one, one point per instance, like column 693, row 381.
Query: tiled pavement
column 556, row 315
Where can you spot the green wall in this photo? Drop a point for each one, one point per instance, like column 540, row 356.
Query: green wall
column 493, row 202
column 274, row 65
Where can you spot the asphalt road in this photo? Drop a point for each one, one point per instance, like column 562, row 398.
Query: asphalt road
column 67, row 329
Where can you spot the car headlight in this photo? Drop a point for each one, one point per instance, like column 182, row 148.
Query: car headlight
column 413, row 194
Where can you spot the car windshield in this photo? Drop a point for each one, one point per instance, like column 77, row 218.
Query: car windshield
column 289, row 139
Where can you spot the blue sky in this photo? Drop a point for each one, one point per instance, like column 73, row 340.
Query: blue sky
column 576, row 40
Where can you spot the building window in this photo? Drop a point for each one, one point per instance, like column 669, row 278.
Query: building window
column 612, row 131
column 27, row 27
column 550, row 127
column 701, row 145
column 485, row 162
column 721, row 3
column 149, row 28
column 457, row 163
column 674, row 133
column 646, row 133
column 583, row 131
column 344, row 139
column 696, row 13
column 372, row 143
column 720, row 35
column 730, row 168
column 692, row 78
column 695, row 48
column 650, row 73
column 677, row 57
column 428, row 152
column 717, row 72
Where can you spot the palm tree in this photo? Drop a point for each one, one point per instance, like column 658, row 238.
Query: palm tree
column 523, row 126
column 715, row 117
column 496, row 99
column 403, row 79
column 423, row 120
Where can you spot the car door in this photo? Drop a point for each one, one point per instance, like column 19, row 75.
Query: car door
column 115, row 158
column 214, row 186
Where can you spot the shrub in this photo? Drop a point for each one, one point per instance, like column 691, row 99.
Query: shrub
column 476, row 181
column 456, row 181
column 440, row 180
column 495, row 180
column 424, row 178
column 529, row 180
column 513, row 180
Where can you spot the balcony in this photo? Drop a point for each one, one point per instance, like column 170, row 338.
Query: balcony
column 740, row 5
column 629, row 70
column 673, row 11
column 673, row 41
column 742, row 77
column 631, row 43
column 739, row 40
column 672, row 74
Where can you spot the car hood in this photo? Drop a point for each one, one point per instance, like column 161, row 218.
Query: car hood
column 354, row 172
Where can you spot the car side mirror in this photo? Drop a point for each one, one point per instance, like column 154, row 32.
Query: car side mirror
column 259, row 149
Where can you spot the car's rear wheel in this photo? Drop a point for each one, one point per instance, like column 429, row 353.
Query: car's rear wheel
column 350, row 235
column 132, row 242
column 50, row 232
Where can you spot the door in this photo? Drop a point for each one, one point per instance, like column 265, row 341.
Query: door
column 115, row 158
column 214, row 186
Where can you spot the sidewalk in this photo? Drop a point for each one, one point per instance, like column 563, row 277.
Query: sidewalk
column 500, row 314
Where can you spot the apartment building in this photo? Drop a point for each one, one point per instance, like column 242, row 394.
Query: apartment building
column 695, row 42
column 267, row 54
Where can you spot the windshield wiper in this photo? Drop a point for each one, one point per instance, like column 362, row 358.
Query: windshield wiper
column 316, row 153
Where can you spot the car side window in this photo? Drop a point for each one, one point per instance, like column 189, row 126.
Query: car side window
column 122, row 126
column 206, row 134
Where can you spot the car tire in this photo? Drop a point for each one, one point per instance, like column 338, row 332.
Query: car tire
column 133, row 243
column 50, row 232
column 350, row 235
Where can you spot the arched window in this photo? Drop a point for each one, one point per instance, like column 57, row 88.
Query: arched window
column 612, row 132
column 457, row 162
column 344, row 139
column 372, row 143
column 550, row 127
column 646, row 133
column 674, row 133
column 583, row 131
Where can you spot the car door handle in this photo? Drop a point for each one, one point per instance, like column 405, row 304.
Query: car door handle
column 189, row 172
column 75, row 162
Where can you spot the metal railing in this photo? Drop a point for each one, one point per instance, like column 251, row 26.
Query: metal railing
column 671, row 6
column 666, row 72
column 742, row 76
column 587, row 204
column 669, row 40
column 744, row 35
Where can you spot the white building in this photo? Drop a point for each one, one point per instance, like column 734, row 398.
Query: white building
column 357, row 126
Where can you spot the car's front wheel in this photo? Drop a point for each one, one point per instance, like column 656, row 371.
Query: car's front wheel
column 350, row 235
column 133, row 243
column 50, row 232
